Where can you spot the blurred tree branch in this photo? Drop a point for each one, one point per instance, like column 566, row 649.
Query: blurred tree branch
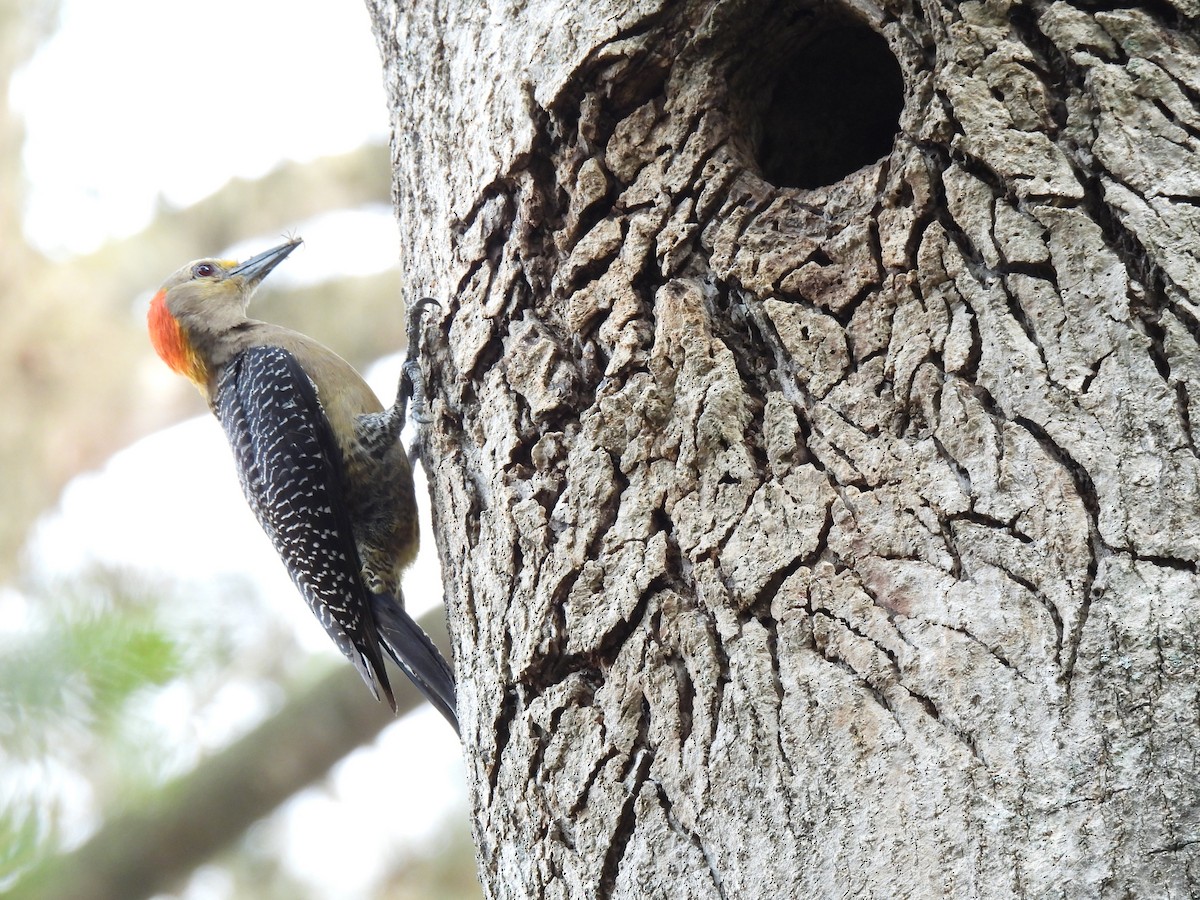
column 143, row 851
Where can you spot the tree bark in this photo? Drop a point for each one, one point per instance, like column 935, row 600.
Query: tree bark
column 812, row 524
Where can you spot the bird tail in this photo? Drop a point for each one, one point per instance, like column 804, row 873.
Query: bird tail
column 415, row 653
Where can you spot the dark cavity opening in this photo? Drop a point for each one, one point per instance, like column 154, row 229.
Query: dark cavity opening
column 834, row 108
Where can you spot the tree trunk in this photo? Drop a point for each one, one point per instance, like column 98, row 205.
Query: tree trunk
column 814, row 445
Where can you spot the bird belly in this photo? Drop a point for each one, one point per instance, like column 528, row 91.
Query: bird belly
column 384, row 512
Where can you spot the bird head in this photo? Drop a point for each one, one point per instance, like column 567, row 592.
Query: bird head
column 201, row 302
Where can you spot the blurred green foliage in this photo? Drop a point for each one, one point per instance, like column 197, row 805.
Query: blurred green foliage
column 79, row 671
column 23, row 841
column 89, row 650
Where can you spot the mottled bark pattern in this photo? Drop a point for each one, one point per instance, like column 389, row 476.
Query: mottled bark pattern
column 830, row 542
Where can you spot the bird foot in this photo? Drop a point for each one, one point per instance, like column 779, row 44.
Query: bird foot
column 412, row 384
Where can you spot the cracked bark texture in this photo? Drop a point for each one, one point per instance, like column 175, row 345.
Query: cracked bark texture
column 826, row 541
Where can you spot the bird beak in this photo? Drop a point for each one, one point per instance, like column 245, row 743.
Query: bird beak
column 256, row 268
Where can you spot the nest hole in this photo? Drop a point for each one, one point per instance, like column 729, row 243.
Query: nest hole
column 833, row 108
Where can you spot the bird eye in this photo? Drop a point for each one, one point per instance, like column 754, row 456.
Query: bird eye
column 203, row 270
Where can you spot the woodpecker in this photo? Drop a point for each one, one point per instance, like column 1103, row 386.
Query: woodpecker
column 319, row 459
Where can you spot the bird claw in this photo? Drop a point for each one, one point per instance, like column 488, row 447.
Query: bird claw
column 412, row 384
column 411, row 376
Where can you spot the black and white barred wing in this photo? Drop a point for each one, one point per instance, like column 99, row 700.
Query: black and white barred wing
column 289, row 468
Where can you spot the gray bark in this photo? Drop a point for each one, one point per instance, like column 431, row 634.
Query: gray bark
column 833, row 540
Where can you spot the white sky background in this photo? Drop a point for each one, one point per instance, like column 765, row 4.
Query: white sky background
column 172, row 101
